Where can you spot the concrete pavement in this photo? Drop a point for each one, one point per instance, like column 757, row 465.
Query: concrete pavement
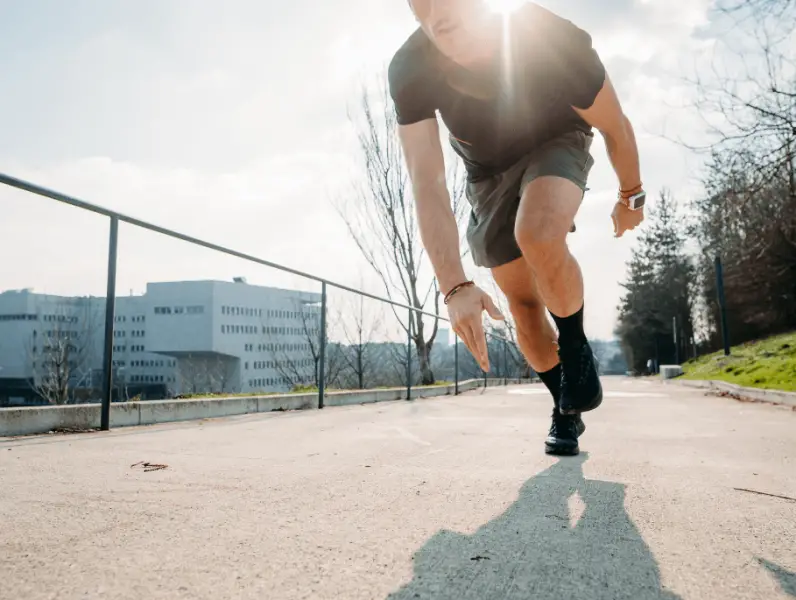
column 449, row 498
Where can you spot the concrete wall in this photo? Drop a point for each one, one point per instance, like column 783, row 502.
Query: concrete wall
column 36, row 420
column 670, row 371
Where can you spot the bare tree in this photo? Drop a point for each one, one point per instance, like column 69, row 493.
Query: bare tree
column 781, row 10
column 748, row 100
column 205, row 373
column 190, row 375
column 60, row 353
column 220, row 373
column 358, row 328
column 747, row 214
column 298, row 363
column 381, row 218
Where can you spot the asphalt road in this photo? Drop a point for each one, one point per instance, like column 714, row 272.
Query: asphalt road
column 448, row 498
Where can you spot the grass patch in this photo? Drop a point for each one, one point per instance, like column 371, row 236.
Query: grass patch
column 768, row 364
column 299, row 389
column 209, row 396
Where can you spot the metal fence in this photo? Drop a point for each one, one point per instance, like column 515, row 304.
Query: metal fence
column 108, row 353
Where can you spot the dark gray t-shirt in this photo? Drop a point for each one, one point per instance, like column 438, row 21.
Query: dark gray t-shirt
column 514, row 105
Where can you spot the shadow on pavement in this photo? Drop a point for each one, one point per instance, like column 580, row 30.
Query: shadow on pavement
column 786, row 579
column 534, row 549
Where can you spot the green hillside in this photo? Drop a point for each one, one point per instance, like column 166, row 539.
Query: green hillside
column 769, row 363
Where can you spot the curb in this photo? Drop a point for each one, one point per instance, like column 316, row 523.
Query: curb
column 722, row 388
column 74, row 418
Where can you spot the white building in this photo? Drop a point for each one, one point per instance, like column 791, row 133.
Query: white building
column 178, row 338
column 45, row 337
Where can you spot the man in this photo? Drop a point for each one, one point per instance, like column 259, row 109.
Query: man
column 520, row 94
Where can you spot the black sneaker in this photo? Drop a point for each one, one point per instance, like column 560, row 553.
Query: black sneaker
column 564, row 433
column 581, row 390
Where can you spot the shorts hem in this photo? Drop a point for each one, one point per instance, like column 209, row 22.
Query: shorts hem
column 492, row 261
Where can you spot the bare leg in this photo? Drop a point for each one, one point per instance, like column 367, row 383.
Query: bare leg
column 535, row 334
column 547, row 210
column 537, row 340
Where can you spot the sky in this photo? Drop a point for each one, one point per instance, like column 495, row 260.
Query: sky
column 228, row 121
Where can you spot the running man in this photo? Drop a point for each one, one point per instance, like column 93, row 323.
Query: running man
column 520, row 95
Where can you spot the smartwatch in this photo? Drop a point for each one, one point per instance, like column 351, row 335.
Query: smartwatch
column 636, row 201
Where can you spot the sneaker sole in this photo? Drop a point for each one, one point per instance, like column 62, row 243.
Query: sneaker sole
column 595, row 403
column 558, row 451
column 565, row 451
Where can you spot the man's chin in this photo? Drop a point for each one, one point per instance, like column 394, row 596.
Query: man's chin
column 466, row 56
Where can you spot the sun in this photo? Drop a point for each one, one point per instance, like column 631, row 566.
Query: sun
column 504, row 6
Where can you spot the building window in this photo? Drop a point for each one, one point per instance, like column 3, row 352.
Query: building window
column 162, row 310
column 178, row 310
column 196, row 310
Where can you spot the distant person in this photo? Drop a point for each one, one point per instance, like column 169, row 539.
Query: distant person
column 520, row 94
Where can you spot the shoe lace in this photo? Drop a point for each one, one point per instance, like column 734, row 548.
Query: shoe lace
column 577, row 362
column 563, row 424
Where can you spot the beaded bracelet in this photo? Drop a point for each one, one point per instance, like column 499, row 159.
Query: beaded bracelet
column 456, row 289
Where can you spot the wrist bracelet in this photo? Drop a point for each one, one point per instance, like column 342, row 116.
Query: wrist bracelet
column 456, row 289
column 631, row 191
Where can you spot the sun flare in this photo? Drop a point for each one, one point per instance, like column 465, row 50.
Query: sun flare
column 504, row 6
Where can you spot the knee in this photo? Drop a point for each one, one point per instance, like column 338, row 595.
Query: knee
column 541, row 239
column 527, row 311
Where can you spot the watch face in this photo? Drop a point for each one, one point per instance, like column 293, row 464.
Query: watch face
column 638, row 200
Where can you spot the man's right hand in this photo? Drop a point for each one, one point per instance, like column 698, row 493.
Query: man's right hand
column 465, row 309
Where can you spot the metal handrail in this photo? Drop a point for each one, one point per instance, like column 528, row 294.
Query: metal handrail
column 101, row 210
column 117, row 217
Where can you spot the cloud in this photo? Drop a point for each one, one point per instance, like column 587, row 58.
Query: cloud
column 228, row 121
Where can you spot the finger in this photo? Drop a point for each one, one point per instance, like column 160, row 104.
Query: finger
column 617, row 232
column 491, row 309
column 479, row 339
column 463, row 335
column 466, row 336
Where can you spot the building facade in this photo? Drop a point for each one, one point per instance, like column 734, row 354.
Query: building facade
column 178, row 338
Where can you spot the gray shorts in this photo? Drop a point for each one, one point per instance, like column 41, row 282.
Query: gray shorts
column 495, row 200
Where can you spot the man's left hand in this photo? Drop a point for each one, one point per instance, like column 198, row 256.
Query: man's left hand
column 625, row 219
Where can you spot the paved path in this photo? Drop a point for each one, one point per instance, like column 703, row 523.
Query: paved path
column 438, row 499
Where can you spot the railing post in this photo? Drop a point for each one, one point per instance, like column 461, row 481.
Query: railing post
column 322, row 357
column 456, row 365
column 486, row 373
column 110, row 310
column 505, row 363
column 409, row 357
column 725, row 335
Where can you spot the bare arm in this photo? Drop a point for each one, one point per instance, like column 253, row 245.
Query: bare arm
column 440, row 235
column 606, row 115
column 437, row 224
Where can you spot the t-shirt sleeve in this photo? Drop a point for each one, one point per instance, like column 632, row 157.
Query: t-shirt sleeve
column 411, row 94
column 582, row 71
column 575, row 66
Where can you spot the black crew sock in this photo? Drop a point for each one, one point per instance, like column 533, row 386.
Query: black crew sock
column 552, row 379
column 570, row 329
